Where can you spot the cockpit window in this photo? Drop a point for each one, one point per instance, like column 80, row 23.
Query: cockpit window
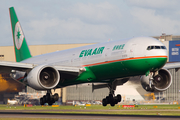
column 149, row 48
column 155, row 47
column 163, row 47
column 152, row 47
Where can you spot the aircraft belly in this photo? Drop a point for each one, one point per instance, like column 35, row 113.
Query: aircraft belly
column 119, row 69
column 140, row 66
column 109, row 70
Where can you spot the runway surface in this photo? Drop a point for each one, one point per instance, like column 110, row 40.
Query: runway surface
column 29, row 114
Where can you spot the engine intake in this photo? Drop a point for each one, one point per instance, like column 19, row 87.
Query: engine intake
column 161, row 82
column 43, row 77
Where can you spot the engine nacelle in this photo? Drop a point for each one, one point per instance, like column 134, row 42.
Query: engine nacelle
column 161, row 82
column 43, row 77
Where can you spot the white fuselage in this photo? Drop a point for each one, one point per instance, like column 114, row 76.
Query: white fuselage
column 135, row 47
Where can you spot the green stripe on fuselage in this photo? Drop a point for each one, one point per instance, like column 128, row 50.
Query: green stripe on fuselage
column 120, row 69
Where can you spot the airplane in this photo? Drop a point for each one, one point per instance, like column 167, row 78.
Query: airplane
column 110, row 63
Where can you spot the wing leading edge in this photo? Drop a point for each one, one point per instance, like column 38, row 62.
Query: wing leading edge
column 172, row 65
column 7, row 67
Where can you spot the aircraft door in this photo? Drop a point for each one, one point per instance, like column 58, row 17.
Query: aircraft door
column 108, row 53
column 132, row 51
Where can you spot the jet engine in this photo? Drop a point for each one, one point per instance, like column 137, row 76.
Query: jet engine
column 43, row 77
column 161, row 82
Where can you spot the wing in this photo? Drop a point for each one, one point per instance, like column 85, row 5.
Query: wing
column 7, row 67
column 172, row 65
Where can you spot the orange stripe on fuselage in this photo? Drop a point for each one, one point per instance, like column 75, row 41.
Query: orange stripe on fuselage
column 124, row 60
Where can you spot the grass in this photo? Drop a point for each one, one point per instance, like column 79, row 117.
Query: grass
column 165, row 110
column 93, row 107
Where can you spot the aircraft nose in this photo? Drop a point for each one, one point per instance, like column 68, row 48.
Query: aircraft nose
column 160, row 62
column 162, row 57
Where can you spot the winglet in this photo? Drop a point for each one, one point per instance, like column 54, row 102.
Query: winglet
column 22, row 51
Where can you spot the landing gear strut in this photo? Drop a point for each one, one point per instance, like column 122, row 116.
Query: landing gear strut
column 111, row 99
column 150, row 87
column 49, row 98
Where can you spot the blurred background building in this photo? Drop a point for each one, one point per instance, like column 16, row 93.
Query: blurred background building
column 172, row 43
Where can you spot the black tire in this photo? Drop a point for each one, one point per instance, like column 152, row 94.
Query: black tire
column 111, row 99
column 44, row 99
column 116, row 102
column 56, row 97
column 104, row 102
column 50, row 103
column 119, row 97
column 107, row 100
column 48, row 97
column 112, row 103
column 41, row 101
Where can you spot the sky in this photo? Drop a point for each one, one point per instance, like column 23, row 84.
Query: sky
column 89, row 21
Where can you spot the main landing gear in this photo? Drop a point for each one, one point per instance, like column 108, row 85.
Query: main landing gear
column 49, row 98
column 111, row 99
